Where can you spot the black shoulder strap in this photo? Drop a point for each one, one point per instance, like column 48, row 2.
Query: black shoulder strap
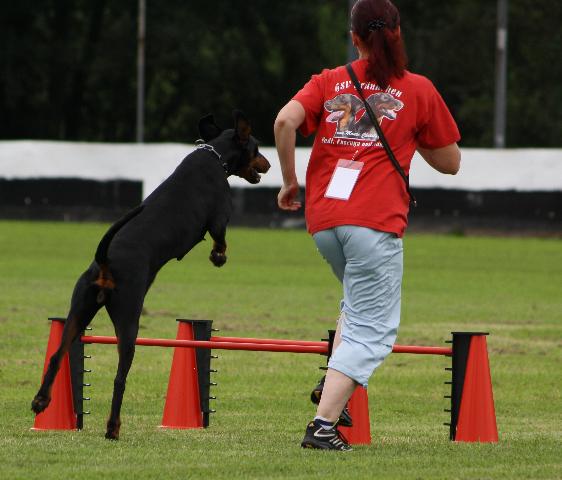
column 382, row 138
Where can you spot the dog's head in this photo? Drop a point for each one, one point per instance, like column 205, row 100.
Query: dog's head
column 237, row 147
column 343, row 108
column 385, row 105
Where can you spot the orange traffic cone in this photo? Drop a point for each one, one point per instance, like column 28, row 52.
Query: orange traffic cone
column 183, row 408
column 360, row 433
column 477, row 416
column 59, row 415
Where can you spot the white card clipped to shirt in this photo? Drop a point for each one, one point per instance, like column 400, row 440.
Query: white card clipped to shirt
column 343, row 179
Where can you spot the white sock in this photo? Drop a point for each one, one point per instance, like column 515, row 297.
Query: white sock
column 323, row 422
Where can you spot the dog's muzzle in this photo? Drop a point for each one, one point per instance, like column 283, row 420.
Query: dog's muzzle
column 257, row 166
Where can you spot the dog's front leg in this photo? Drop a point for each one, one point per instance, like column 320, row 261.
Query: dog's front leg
column 218, row 253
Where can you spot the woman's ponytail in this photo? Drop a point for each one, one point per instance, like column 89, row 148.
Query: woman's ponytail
column 377, row 23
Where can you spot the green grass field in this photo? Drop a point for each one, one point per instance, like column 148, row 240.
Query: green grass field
column 276, row 285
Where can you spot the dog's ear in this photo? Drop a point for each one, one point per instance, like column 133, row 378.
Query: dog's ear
column 208, row 129
column 242, row 126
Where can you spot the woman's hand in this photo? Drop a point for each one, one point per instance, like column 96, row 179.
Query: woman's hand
column 287, row 197
column 286, row 123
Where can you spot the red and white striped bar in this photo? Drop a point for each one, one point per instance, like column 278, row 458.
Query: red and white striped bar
column 259, row 345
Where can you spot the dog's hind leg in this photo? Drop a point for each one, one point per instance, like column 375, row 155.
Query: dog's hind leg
column 83, row 308
column 124, row 308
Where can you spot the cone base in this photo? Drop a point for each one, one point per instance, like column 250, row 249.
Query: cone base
column 182, row 409
column 171, row 427
column 59, row 414
column 477, row 416
column 360, row 433
column 36, row 429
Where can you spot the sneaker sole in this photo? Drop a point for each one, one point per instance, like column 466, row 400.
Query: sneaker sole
column 315, row 446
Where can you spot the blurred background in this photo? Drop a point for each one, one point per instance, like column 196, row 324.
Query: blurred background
column 140, row 71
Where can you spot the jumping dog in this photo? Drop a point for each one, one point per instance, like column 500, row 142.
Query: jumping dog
column 194, row 200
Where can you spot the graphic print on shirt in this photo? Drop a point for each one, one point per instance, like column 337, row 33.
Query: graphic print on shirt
column 348, row 112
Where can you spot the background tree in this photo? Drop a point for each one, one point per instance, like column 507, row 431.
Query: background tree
column 67, row 67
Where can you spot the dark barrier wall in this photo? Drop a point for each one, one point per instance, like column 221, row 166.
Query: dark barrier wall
column 67, row 198
column 530, row 205
column 434, row 202
column 455, row 211
column 438, row 209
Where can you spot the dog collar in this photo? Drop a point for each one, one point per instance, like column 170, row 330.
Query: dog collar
column 210, row 148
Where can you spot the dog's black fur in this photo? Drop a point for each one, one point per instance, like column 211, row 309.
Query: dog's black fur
column 194, row 200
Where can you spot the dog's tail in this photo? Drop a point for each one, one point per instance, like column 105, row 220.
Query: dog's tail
column 105, row 279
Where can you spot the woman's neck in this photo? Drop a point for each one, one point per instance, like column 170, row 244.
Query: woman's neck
column 363, row 55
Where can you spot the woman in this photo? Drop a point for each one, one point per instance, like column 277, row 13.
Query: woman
column 356, row 200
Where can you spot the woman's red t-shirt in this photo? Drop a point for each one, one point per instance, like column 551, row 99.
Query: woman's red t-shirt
column 410, row 112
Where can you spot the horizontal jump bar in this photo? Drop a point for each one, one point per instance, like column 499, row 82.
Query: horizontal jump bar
column 222, row 344
column 276, row 341
column 422, row 350
column 270, row 341
column 259, row 347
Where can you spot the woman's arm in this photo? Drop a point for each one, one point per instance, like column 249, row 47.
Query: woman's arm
column 288, row 120
column 445, row 160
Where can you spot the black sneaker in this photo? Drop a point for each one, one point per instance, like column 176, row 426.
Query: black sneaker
column 319, row 438
column 345, row 419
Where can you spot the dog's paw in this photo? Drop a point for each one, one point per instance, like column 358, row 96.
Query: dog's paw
column 40, row 403
column 218, row 259
column 112, row 436
column 112, row 432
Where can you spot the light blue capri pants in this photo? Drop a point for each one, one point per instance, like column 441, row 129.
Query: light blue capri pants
column 369, row 264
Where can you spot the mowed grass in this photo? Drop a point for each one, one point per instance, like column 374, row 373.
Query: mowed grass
column 275, row 284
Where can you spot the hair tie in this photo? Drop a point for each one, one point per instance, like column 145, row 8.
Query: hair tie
column 376, row 25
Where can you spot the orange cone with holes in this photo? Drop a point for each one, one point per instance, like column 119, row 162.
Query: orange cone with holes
column 477, row 416
column 183, row 408
column 59, row 415
column 360, row 433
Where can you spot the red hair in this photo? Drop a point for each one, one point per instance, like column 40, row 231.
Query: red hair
column 377, row 23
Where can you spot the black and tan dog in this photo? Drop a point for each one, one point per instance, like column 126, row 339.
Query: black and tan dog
column 343, row 108
column 384, row 106
column 348, row 112
column 194, row 200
